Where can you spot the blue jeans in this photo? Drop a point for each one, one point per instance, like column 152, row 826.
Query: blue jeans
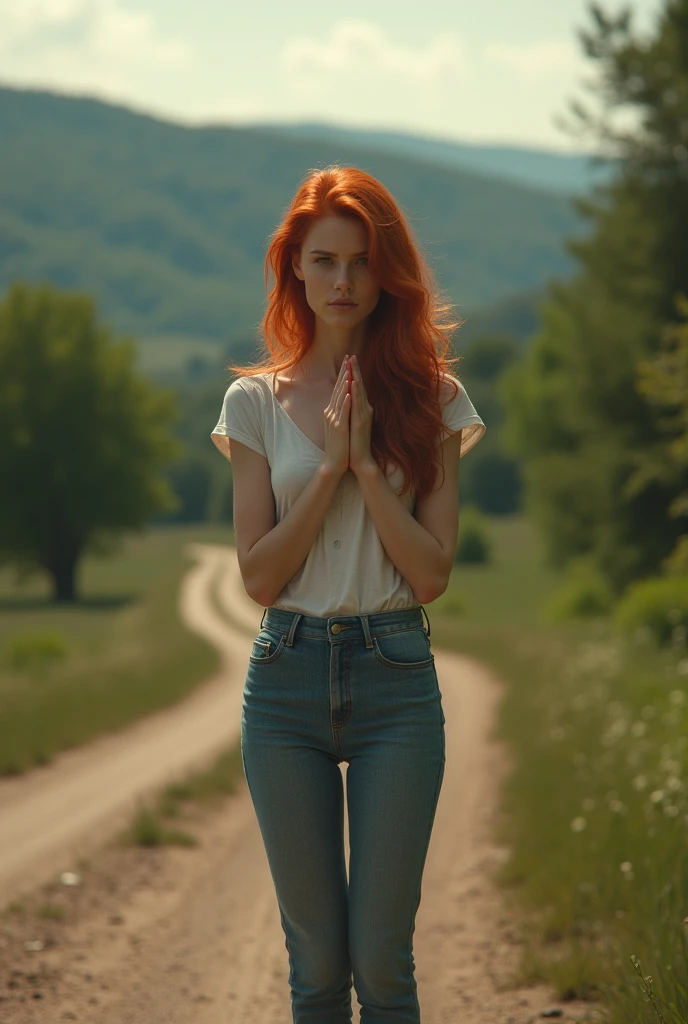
column 361, row 689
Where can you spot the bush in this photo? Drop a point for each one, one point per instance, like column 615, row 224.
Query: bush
column 659, row 606
column 474, row 543
column 36, row 651
column 586, row 593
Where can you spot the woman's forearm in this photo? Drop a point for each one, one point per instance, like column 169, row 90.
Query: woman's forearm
column 414, row 552
column 280, row 553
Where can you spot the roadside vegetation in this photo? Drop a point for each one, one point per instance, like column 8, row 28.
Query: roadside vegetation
column 70, row 672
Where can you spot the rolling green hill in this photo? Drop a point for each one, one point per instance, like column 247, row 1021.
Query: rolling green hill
column 166, row 225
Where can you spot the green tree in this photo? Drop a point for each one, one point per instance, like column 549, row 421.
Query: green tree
column 491, row 479
column 664, row 380
column 83, row 435
column 575, row 414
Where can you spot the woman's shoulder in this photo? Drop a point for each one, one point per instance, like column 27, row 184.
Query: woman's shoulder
column 450, row 388
column 253, row 384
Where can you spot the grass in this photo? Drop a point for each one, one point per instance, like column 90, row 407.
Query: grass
column 595, row 812
column 180, row 799
column 127, row 652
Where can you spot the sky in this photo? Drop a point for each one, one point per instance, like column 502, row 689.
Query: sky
column 475, row 71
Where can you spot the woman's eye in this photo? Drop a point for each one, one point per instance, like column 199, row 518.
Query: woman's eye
column 362, row 259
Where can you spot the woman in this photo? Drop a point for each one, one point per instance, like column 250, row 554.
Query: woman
column 346, row 519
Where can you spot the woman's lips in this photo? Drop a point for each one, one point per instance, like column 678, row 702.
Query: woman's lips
column 343, row 305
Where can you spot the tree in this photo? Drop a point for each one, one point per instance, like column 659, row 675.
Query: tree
column 664, row 380
column 574, row 412
column 83, row 435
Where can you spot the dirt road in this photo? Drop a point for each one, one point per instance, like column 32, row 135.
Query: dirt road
column 192, row 935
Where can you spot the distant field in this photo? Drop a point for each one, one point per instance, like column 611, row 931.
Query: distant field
column 166, row 354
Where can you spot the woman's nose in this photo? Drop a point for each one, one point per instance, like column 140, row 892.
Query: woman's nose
column 343, row 275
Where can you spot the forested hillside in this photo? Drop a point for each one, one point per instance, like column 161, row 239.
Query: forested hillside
column 166, row 225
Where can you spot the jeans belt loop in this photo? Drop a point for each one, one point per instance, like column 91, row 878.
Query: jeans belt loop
column 426, row 619
column 366, row 629
column 292, row 629
column 265, row 611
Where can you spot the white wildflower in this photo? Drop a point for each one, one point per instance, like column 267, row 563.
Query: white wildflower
column 578, row 824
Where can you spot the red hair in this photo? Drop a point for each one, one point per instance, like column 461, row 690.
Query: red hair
column 404, row 358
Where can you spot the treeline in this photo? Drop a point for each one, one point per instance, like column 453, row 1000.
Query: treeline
column 597, row 409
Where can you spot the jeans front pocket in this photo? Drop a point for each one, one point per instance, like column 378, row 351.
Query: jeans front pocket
column 267, row 646
column 404, row 649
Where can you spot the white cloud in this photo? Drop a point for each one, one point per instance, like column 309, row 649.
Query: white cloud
column 356, row 46
column 106, row 30
column 539, row 59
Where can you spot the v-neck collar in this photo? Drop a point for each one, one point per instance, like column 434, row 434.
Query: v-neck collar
column 286, row 414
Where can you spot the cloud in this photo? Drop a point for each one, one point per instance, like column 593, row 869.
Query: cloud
column 537, row 60
column 356, row 46
column 104, row 30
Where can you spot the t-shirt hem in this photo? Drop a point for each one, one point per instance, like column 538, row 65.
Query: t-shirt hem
column 238, row 435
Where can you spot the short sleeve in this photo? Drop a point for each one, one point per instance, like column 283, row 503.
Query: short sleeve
column 459, row 413
column 240, row 419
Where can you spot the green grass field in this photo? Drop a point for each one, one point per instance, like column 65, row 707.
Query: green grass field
column 126, row 651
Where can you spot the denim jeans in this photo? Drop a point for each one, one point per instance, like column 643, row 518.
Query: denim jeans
column 361, row 689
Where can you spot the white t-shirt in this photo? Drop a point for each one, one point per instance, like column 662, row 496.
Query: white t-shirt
column 347, row 571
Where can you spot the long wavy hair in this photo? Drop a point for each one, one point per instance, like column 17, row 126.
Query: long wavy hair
column 404, row 359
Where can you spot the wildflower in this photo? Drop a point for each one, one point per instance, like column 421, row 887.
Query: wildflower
column 674, row 783
column 640, row 782
column 671, row 810
column 626, row 866
column 578, row 824
column 682, row 667
column 677, row 698
column 617, row 807
column 657, row 795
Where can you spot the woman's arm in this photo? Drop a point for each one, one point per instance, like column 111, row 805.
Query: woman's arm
column 268, row 554
column 421, row 547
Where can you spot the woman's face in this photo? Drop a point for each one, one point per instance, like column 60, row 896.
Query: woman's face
column 333, row 264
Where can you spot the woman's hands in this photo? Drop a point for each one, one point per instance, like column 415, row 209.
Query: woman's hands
column 336, row 416
column 361, row 422
column 348, row 422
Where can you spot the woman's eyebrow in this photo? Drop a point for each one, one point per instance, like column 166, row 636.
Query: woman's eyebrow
column 324, row 252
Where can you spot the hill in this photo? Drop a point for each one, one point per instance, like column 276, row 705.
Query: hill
column 167, row 224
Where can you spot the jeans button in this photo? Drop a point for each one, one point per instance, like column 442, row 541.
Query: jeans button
column 336, row 628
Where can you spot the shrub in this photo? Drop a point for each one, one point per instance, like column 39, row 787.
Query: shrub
column 586, row 593
column 658, row 605
column 474, row 543
column 36, row 651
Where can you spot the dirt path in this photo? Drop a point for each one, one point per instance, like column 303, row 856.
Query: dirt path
column 192, row 936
